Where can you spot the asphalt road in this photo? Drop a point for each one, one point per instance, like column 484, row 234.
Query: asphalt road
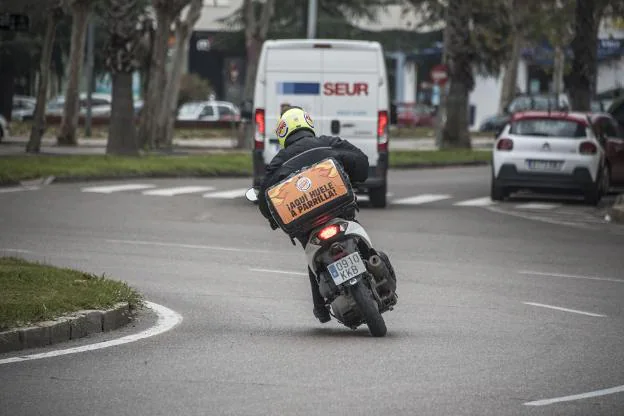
column 476, row 330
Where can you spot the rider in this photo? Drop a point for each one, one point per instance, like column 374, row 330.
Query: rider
column 300, row 147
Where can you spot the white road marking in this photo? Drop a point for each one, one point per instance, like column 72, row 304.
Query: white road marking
column 234, row 193
column 15, row 250
column 477, row 202
column 117, row 188
column 178, row 190
column 570, row 276
column 421, row 199
column 537, row 205
column 193, row 246
column 18, row 189
column 167, row 319
column 596, row 393
column 278, row 272
column 565, row 309
column 366, row 198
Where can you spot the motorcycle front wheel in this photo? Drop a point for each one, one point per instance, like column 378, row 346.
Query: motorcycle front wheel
column 369, row 310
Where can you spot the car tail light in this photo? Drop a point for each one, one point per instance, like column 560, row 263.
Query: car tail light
column 260, row 129
column 382, row 131
column 504, row 144
column 329, row 232
column 588, row 148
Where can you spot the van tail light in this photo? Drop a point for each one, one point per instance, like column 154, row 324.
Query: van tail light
column 382, row 131
column 504, row 144
column 588, row 148
column 260, row 129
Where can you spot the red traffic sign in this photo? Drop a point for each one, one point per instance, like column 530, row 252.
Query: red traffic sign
column 439, row 74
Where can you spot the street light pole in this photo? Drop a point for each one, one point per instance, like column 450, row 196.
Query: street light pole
column 312, row 19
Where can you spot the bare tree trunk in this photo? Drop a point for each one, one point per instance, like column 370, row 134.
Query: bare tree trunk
column 166, row 121
column 38, row 125
column 558, row 67
column 584, row 61
column 455, row 132
column 69, row 124
column 157, row 81
column 256, row 30
column 121, row 131
column 510, row 77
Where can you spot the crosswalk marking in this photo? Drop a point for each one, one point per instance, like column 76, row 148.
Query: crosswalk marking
column 421, row 199
column 366, row 198
column 178, row 190
column 234, row 193
column 537, row 205
column 117, row 188
column 18, row 189
column 476, row 202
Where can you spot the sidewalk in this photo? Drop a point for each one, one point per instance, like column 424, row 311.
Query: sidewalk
column 17, row 145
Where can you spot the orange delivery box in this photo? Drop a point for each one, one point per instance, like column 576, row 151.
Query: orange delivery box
column 312, row 192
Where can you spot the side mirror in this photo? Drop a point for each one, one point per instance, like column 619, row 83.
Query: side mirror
column 252, row 194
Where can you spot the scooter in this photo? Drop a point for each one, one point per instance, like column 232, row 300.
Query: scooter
column 356, row 280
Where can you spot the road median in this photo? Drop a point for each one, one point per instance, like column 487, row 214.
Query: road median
column 17, row 169
column 42, row 305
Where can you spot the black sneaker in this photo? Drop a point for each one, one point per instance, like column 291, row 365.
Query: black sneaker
column 321, row 313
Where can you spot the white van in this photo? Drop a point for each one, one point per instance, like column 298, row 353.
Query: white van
column 342, row 84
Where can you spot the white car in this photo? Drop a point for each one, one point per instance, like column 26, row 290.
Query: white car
column 208, row 111
column 4, row 128
column 549, row 152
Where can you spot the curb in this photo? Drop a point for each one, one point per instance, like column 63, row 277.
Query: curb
column 616, row 211
column 434, row 165
column 70, row 179
column 73, row 326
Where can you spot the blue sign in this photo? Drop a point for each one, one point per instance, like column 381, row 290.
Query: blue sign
column 298, row 88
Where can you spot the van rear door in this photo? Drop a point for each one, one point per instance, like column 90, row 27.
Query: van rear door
column 350, row 93
column 293, row 77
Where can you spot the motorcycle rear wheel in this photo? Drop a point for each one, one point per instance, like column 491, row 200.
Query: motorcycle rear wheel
column 368, row 307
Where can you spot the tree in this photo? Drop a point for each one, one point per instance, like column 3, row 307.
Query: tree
column 54, row 14
column 123, row 58
column 169, row 108
column 166, row 11
column 477, row 41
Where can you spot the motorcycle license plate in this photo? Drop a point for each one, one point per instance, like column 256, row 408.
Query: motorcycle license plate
column 347, row 268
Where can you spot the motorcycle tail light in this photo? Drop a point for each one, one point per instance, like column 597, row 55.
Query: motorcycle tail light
column 329, row 232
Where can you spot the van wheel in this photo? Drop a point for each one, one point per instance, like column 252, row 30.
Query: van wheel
column 378, row 196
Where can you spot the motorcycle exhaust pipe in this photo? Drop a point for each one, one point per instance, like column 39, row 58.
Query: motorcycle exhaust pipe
column 378, row 268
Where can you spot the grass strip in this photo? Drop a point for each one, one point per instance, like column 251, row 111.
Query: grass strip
column 34, row 292
column 17, row 168
column 416, row 158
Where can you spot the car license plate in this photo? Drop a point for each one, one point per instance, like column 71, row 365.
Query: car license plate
column 544, row 164
column 347, row 268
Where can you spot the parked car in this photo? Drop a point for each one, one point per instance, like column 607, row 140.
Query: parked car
column 415, row 115
column 549, row 152
column 23, row 108
column 209, row 111
column 100, row 105
column 4, row 128
column 537, row 102
column 611, row 137
column 616, row 109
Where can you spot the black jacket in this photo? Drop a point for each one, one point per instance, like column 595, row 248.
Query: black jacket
column 304, row 149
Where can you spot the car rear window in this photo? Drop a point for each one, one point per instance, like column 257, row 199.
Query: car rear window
column 547, row 127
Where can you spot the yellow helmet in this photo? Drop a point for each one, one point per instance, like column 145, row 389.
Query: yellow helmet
column 291, row 121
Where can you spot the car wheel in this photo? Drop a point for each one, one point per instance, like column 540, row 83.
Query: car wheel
column 497, row 192
column 606, row 180
column 594, row 195
column 378, row 196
